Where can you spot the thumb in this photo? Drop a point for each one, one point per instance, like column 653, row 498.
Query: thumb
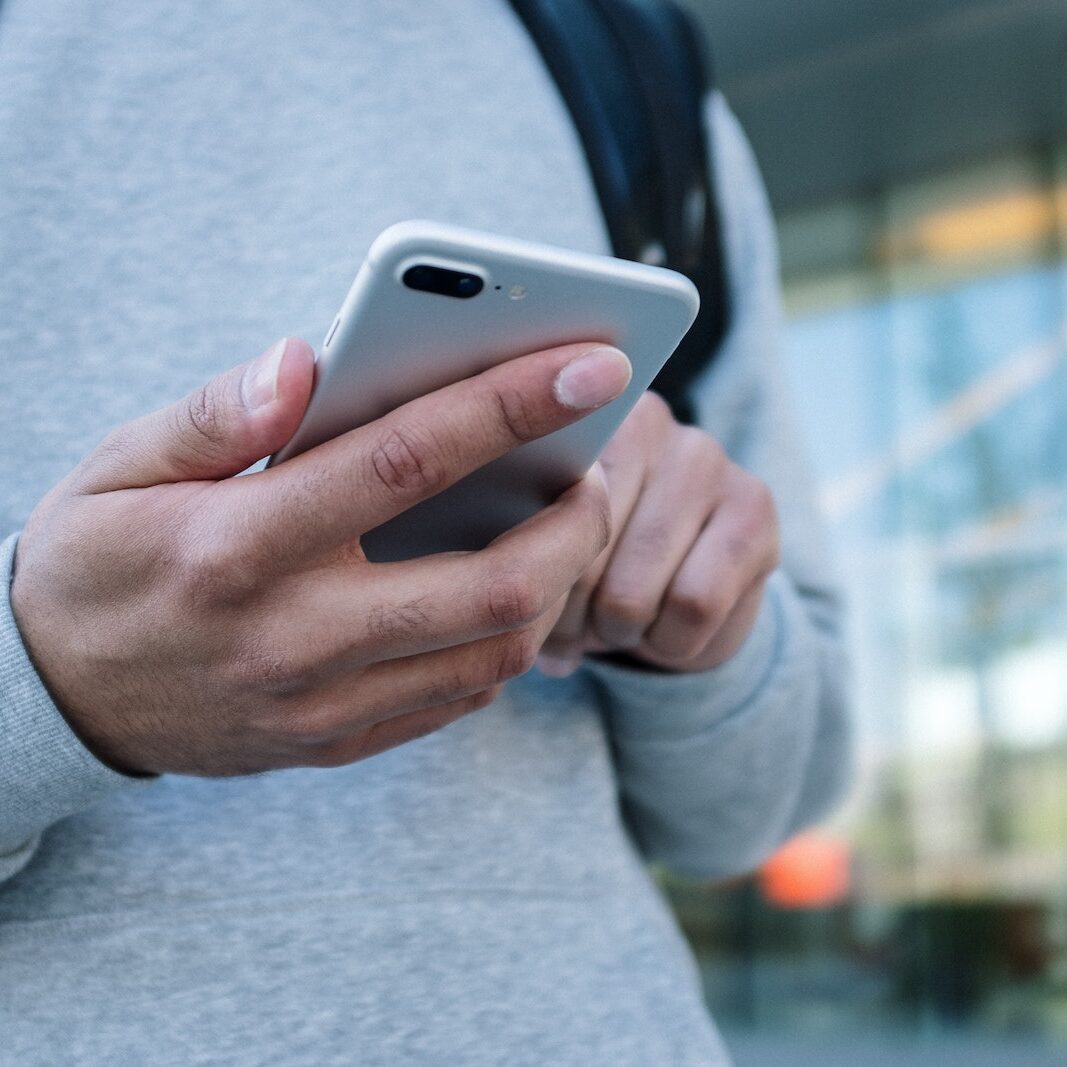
column 215, row 432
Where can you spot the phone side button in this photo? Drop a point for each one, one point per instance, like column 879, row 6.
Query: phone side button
column 333, row 330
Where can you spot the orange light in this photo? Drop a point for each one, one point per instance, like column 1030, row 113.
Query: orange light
column 982, row 227
column 810, row 871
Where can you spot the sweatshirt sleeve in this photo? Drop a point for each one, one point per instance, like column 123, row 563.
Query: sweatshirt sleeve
column 46, row 773
column 716, row 769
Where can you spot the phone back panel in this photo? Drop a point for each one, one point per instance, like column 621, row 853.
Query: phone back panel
column 391, row 344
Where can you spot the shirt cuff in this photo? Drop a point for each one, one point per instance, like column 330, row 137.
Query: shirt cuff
column 656, row 706
column 46, row 773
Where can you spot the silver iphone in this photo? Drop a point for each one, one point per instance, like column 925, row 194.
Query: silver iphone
column 433, row 304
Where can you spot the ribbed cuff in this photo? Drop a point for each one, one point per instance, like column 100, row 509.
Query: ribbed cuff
column 46, row 773
column 649, row 706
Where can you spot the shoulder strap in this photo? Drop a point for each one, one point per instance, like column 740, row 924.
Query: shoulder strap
column 634, row 78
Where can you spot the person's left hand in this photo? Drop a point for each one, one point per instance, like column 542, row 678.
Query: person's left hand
column 694, row 538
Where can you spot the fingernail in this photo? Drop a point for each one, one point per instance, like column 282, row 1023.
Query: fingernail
column 556, row 666
column 593, row 379
column 259, row 386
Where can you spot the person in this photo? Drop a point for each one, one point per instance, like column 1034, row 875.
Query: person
column 262, row 801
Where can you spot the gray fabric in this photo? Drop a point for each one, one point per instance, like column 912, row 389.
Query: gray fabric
column 179, row 185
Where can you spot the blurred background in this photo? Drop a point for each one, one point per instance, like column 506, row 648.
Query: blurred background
column 916, row 157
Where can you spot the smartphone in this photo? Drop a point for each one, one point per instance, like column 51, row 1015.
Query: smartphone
column 433, row 304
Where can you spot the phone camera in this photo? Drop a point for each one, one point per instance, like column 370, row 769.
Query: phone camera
column 445, row 282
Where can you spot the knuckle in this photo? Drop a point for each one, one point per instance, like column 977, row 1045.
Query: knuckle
column 589, row 523
column 702, row 611
column 216, row 573
column 475, row 702
column 200, row 420
column 392, row 623
column 760, row 503
column 311, row 729
column 517, row 655
column 711, row 447
column 276, row 673
column 279, row 674
column 601, row 523
column 679, row 646
column 479, row 700
column 317, row 722
column 625, row 608
column 333, row 754
column 514, row 599
column 694, row 447
column 694, row 608
column 583, row 590
column 645, row 542
column 653, row 409
column 516, row 413
column 710, row 463
column 115, row 447
column 757, row 533
column 294, row 730
column 443, row 690
column 407, row 463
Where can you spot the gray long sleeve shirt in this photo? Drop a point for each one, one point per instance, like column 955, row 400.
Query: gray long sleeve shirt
column 180, row 184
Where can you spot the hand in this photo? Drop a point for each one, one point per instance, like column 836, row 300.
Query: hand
column 694, row 538
column 187, row 621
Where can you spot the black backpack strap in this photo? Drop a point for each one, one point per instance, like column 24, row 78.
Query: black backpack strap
column 634, row 77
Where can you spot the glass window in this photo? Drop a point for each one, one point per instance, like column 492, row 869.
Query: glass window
column 926, row 345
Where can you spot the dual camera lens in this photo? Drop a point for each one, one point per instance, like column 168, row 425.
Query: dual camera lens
column 455, row 283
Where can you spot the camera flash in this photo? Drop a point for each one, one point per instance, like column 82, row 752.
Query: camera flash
column 516, row 292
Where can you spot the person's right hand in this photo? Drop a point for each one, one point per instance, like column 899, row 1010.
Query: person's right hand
column 188, row 621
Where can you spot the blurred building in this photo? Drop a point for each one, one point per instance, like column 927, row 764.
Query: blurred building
column 916, row 156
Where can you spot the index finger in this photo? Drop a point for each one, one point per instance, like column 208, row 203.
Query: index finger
column 330, row 494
